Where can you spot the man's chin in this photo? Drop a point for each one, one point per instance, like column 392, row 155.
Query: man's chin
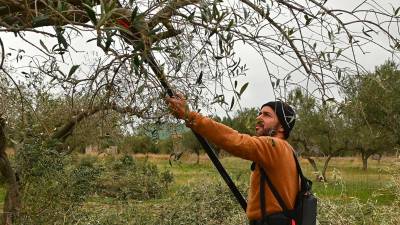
column 259, row 132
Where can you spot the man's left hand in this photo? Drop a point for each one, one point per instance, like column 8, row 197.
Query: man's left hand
column 178, row 106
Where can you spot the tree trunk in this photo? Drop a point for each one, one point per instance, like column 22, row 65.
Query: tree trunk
column 198, row 157
column 365, row 157
column 318, row 176
column 312, row 162
column 323, row 172
column 12, row 202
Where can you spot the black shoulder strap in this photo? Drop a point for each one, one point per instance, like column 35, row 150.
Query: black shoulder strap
column 305, row 186
column 278, row 197
column 262, row 195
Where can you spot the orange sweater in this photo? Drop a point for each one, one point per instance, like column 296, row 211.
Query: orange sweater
column 276, row 156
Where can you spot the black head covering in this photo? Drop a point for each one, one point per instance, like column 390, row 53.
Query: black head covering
column 285, row 113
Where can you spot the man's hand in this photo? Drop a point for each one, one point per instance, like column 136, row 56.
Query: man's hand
column 178, row 106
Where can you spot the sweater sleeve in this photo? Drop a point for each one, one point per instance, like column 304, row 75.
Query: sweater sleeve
column 258, row 149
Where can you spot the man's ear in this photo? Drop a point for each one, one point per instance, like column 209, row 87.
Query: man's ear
column 280, row 129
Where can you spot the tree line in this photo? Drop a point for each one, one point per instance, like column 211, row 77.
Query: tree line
column 362, row 120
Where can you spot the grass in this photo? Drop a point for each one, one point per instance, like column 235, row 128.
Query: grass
column 346, row 179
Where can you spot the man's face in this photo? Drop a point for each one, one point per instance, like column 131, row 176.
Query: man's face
column 267, row 120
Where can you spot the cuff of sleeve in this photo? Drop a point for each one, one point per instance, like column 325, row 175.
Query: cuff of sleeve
column 191, row 119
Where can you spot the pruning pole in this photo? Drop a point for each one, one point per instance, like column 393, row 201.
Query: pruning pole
column 150, row 59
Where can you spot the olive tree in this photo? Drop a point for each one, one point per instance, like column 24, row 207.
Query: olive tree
column 373, row 107
column 321, row 130
column 188, row 45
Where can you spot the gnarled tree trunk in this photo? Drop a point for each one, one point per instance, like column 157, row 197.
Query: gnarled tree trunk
column 323, row 172
column 12, row 202
column 365, row 155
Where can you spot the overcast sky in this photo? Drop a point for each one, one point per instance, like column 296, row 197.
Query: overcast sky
column 259, row 90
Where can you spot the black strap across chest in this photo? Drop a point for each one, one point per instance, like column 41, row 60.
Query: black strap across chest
column 264, row 178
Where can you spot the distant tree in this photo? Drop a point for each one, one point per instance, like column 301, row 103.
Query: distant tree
column 373, row 106
column 320, row 130
column 244, row 121
column 301, row 135
column 138, row 144
column 189, row 141
column 165, row 146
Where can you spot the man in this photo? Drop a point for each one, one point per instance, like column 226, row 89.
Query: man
column 269, row 149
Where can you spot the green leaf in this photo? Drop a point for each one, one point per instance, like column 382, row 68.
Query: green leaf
column 308, row 19
column 91, row 39
column 199, row 79
column 215, row 10
column 232, row 103
column 60, row 37
column 366, row 32
column 40, row 20
column 91, row 13
column 44, row 46
column 191, row 16
column 397, row 11
column 219, row 99
column 221, row 48
column 291, row 31
column 72, row 70
column 134, row 13
column 140, row 89
column 330, row 36
column 351, row 39
column 230, row 25
column 60, row 7
column 397, row 45
column 243, row 88
column 157, row 48
column 277, row 82
column 155, row 30
column 136, row 60
column 330, row 100
column 339, row 53
column 62, row 74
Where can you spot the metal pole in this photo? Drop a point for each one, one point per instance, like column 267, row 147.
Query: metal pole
column 210, row 152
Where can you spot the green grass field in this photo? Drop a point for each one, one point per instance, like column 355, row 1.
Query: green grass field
column 346, row 180
column 198, row 193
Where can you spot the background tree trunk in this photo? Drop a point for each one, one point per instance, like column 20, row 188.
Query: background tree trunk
column 312, row 163
column 365, row 157
column 318, row 176
column 12, row 202
column 323, row 172
column 198, row 157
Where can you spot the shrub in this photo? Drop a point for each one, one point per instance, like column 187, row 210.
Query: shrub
column 354, row 211
column 205, row 204
column 55, row 187
column 127, row 178
column 138, row 144
column 52, row 191
column 165, row 146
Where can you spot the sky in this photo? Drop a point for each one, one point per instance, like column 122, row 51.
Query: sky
column 259, row 90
